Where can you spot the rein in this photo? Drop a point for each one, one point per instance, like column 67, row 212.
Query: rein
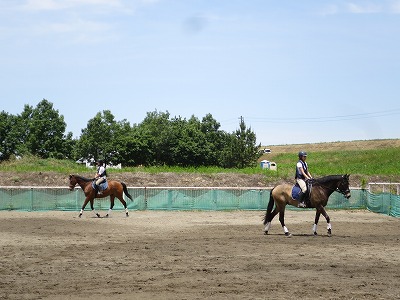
column 329, row 188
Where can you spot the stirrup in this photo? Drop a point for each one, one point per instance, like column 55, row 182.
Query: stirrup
column 302, row 205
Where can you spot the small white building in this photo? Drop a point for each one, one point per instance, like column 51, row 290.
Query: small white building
column 266, row 164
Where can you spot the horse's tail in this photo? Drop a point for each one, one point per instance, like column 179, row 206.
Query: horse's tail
column 269, row 207
column 126, row 191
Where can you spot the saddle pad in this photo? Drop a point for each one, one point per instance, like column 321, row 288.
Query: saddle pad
column 103, row 186
column 296, row 192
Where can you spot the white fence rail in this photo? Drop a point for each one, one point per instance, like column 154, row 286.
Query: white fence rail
column 385, row 187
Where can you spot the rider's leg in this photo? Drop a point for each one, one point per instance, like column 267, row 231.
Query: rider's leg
column 302, row 185
column 97, row 184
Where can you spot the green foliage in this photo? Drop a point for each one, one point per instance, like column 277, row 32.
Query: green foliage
column 45, row 130
column 29, row 163
column 364, row 163
column 159, row 140
column 102, row 138
column 37, row 131
column 9, row 135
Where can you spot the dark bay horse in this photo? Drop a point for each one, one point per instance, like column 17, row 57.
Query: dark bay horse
column 322, row 188
column 114, row 189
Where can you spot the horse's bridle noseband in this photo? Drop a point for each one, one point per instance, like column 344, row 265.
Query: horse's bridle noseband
column 346, row 192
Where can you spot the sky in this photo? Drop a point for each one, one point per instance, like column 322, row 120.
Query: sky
column 297, row 71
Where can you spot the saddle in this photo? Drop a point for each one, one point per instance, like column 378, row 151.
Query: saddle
column 102, row 187
column 296, row 192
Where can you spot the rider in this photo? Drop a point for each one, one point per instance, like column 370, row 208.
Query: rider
column 302, row 174
column 101, row 175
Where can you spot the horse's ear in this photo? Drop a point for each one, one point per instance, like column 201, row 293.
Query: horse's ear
column 70, row 176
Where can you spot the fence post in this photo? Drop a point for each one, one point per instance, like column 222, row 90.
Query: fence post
column 31, row 198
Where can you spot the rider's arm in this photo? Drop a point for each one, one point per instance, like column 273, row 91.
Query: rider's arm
column 306, row 175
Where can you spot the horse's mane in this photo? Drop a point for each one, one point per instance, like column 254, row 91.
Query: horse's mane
column 328, row 178
column 83, row 178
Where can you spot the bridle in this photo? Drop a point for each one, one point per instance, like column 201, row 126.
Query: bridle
column 72, row 186
column 345, row 192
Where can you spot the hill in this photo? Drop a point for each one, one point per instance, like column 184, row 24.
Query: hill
column 191, row 179
column 334, row 146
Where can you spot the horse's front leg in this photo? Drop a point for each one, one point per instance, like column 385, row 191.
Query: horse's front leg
column 322, row 211
column 83, row 206
column 92, row 207
column 317, row 215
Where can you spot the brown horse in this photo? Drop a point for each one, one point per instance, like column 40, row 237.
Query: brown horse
column 114, row 189
column 322, row 188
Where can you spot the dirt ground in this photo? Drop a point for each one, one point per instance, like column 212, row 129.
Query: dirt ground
column 197, row 255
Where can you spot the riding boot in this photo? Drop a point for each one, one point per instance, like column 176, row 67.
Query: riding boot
column 96, row 189
column 301, row 200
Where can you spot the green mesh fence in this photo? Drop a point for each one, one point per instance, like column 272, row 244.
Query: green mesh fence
column 42, row 199
column 384, row 203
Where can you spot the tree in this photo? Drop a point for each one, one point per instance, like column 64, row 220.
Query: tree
column 214, row 141
column 155, row 132
column 103, row 138
column 189, row 146
column 43, row 131
column 9, row 135
column 241, row 149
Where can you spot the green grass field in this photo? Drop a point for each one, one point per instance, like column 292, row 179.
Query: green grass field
column 380, row 159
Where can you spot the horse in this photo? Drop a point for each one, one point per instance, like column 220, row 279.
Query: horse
column 114, row 189
column 321, row 189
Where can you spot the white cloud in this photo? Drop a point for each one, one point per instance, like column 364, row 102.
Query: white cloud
column 70, row 20
column 42, row 5
column 364, row 9
column 77, row 31
column 49, row 5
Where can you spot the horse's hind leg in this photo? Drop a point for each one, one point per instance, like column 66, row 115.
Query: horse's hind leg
column 282, row 220
column 111, row 205
column 121, row 198
column 268, row 220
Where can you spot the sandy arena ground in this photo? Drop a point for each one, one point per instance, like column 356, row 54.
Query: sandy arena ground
column 197, row 255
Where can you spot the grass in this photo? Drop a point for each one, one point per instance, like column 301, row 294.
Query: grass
column 384, row 161
column 34, row 164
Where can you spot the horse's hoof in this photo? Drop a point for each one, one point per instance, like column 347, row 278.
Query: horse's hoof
column 80, row 215
column 329, row 232
column 265, row 232
column 288, row 234
column 98, row 215
column 315, row 233
column 127, row 214
column 106, row 216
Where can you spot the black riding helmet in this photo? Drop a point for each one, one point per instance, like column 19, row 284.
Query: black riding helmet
column 302, row 153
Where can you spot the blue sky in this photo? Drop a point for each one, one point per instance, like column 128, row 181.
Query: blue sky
column 297, row 71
